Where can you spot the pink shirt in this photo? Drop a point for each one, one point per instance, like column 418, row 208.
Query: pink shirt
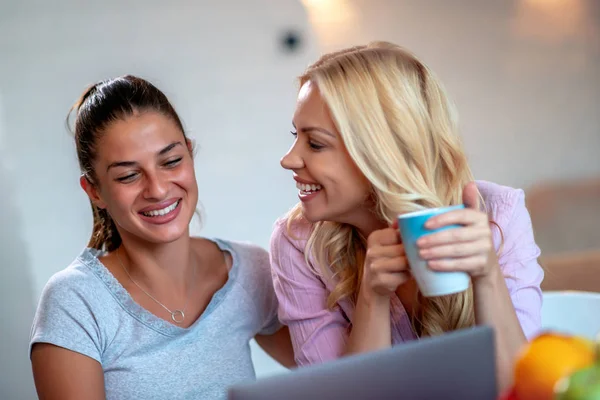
column 320, row 334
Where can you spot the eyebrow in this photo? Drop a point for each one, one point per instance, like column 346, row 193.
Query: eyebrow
column 309, row 129
column 133, row 163
column 169, row 148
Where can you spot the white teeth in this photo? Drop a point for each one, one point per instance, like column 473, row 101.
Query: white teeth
column 164, row 211
column 308, row 188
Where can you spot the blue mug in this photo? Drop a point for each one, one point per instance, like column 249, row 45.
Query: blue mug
column 431, row 283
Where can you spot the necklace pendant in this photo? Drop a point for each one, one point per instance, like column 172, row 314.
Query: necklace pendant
column 177, row 316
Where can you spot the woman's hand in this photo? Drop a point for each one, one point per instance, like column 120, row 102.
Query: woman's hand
column 468, row 248
column 386, row 266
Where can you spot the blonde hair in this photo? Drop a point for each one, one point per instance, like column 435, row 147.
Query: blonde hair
column 401, row 131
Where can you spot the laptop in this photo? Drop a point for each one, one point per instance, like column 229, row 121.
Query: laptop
column 457, row 365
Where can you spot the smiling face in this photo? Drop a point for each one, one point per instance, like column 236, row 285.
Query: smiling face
column 145, row 178
column 331, row 187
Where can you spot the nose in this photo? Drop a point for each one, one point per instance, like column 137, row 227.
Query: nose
column 156, row 187
column 292, row 159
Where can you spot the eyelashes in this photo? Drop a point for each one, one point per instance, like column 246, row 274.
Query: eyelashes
column 131, row 177
column 127, row 178
column 173, row 163
column 313, row 145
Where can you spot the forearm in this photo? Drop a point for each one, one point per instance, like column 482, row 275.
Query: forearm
column 371, row 328
column 278, row 346
column 493, row 307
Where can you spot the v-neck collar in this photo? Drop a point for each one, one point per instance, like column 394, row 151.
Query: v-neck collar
column 89, row 257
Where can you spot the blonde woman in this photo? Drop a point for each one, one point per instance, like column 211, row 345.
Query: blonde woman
column 375, row 136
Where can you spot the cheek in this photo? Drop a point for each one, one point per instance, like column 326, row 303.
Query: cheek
column 361, row 183
column 119, row 198
column 187, row 177
column 357, row 190
column 352, row 181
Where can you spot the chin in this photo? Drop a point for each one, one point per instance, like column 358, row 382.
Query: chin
column 170, row 238
column 314, row 216
column 163, row 236
column 310, row 219
column 317, row 215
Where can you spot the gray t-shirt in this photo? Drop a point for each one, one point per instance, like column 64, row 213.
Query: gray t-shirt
column 83, row 308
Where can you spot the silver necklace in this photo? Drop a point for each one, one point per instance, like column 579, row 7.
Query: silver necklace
column 177, row 315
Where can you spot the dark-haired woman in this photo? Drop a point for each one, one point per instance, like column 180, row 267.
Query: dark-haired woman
column 146, row 311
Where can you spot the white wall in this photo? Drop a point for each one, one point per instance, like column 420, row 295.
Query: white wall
column 526, row 81
column 16, row 287
column 525, row 74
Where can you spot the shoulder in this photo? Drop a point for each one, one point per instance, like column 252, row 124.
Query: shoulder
column 290, row 234
column 77, row 280
column 78, row 290
column 244, row 252
column 251, row 266
column 507, row 209
column 502, row 202
column 289, row 257
column 74, row 292
column 72, row 309
column 495, row 193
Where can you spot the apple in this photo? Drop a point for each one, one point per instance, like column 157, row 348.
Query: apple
column 583, row 384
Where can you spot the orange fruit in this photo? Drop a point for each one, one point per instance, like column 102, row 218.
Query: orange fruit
column 545, row 360
column 509, row 395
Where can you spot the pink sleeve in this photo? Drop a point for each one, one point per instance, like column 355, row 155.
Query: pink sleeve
column 318, row 334
column 519, row 262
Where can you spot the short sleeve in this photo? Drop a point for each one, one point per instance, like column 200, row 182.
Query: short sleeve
column 264, row 294
column 64, row 316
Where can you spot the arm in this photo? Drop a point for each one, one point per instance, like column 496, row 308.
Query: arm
column 371, row 330
column 385, row 269
column 510, row 299
column 64, row 374
column 507, row 292
column 318, row 333
column 493, row 306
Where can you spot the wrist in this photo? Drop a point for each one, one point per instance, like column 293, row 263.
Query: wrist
column 490, row 280
column 372, row 298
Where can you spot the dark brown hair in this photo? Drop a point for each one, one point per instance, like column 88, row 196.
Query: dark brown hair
column 100, row 105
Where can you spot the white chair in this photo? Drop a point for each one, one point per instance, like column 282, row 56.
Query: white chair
column 572, row 312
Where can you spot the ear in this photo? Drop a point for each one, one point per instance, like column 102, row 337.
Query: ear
column 91, row 190
column 190, row 145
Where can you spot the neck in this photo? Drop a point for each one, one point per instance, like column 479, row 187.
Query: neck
column 365, row 221
column 155, row 263
column 368, row 227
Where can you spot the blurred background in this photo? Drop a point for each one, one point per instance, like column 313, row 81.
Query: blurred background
column 525, row 75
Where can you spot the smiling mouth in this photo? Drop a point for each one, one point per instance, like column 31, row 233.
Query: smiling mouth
column 162, row 211
column 308, row 188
